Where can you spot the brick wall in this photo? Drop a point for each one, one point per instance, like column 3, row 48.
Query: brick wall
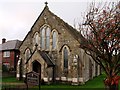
column 12, row 60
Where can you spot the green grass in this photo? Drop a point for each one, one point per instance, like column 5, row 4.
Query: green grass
column 10, row 80
column 97, row 82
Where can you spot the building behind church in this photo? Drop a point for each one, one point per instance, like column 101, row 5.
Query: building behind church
column 52, row 49
column 9, row 54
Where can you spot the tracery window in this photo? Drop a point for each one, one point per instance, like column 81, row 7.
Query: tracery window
column 45, row 37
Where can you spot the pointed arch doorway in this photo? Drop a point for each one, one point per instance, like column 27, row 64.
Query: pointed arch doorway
column 36, row 66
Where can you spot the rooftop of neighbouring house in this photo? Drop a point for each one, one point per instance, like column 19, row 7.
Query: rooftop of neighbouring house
column 10, row 45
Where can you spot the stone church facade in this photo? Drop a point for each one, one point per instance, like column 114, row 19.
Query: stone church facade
column 52, row 49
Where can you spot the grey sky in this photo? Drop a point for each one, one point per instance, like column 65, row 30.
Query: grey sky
column 17, row 17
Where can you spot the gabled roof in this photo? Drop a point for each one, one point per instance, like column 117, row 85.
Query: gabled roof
column 10, row 45
column 34, row 24
column 77, row 35
column 47, row 58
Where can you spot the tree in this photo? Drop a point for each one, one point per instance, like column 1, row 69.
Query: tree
column 102, row 40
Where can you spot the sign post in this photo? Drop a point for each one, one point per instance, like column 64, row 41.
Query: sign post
column 32, row 79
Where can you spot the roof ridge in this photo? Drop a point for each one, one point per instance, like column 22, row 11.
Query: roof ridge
column 76, row 33
column 13, row 40
column 10, row 45
column 17, row 45
column 46, row 7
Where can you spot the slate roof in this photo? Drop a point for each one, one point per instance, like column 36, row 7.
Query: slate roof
column 47, row 58
column 10, row 45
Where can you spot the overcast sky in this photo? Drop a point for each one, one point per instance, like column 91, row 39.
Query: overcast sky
column 18, row 16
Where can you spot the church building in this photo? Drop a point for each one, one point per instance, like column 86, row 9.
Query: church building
column 52, row 49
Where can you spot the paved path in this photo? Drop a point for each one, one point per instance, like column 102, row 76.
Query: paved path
column 17, row 85
column 8, row 83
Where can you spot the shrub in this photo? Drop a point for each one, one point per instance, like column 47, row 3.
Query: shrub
column 4, row 68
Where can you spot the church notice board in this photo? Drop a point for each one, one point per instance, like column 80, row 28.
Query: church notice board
column 33, row 79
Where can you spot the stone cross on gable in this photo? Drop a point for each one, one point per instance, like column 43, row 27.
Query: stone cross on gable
column 45, row 18
column 46, row 3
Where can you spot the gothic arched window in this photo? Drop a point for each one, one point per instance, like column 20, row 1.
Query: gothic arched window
column 27, row 54
column 43, row 38
column 36, row 38
column 54, row 38
column 47, row 38
column 65, row 58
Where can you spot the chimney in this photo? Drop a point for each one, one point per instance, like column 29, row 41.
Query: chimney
column 3, row 40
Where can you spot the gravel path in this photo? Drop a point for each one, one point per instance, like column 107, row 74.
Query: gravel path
column 8, row 83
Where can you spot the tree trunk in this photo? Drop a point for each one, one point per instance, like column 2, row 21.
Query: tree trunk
column 111, row 84
column 111, row 87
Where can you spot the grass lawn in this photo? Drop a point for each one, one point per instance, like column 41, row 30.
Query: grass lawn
column 10, row 80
